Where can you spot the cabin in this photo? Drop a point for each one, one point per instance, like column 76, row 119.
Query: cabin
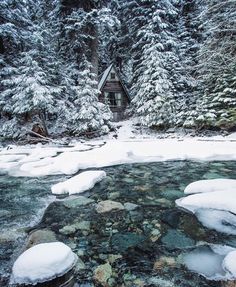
column 114, row 92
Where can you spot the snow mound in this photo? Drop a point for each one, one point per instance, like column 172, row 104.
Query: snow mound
column 219, row 220
column 79, row 183
column 211, row 185
column 215, row 262
column 229, row 263
column 42, row 263
column 214, row 204
column 220, row 200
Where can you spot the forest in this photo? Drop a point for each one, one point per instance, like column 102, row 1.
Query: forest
column 176, row 57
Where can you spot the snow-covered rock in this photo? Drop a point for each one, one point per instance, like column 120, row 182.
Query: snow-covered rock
column 211, row 185
column 220, row 200
column 213, row 202
column 229, row 263
column 215, row 262
column 43, row 262
column 219, row 220
column 79, row 183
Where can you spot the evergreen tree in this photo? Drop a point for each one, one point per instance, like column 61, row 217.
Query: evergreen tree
column 154, row 59
column 86, row 114
column 217, row 66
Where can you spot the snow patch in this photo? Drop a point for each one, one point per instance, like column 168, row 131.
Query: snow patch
column 211, row 185
column 229, row 263
column 43, row 262
column 79, row 183
column 219, row 220
column 220, row 200
column 215, row 262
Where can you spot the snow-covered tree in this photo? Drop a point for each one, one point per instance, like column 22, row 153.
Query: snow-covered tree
column 217, row 66
column 154, row 61
column 87, row 114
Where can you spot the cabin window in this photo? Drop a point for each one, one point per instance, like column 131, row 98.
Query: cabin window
column 113, row 99
column 113, row 76
column 118, row 100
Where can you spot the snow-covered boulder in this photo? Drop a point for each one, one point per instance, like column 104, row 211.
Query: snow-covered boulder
column 211, row 185
column 42, row 263
column 220, row 200
column 215, row 262
column 229, row 264
column 213, row 202
column 79, row 183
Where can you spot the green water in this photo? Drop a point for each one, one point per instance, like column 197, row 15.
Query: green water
column 142, row 245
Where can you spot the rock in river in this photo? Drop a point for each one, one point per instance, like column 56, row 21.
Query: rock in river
column 42, row 263
column 108, row 205
column 102, row 273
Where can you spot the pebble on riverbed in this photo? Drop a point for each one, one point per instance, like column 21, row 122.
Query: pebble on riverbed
column 108, row 205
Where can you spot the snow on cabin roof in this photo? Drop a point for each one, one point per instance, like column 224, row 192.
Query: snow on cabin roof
column 104, row 77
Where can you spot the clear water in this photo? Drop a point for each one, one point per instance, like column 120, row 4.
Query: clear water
column 148, row 240
column 22, row 203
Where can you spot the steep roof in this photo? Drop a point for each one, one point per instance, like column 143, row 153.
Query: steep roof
column 104, row 78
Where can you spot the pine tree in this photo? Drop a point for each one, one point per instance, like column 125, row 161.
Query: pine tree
column 87, row 114
column 217, row 107
column 154, row 58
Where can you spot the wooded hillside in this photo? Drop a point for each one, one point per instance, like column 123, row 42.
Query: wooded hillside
column 177, row 58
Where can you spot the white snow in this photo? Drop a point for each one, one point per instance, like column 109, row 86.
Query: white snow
column 229, row 263
column 211, row 185
column 215, row 262
column 43, row 262
column 79, row 183
column 214, row 204
column 70, row 160
column 219, row 220
column 220, row 200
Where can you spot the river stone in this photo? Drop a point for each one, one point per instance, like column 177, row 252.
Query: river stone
column 129, row 206
column 171, row 217
column 164, row 261
column 40, row 236
column 102, row 274
column 155, row 235
column 113, row 257
column 78, row 201
column 114, row 195
column 108, row 205
column 175, row 239
column 79, row 265
column 80, row 225
column 123, row 241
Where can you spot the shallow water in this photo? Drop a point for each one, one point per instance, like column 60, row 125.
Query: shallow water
column 148, row 240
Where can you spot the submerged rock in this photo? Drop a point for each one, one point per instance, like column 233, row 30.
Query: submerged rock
column 102, row 274
column 40, row 236
column 113, row 257
column 155, row 235
column 129, row 206
column 123, row 241
column 164, row 261
column 175, row 239
column 80, row 225
column 78, row 201
column 109, row 205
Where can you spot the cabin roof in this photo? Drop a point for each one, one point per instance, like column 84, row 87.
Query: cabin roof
column 104, row 78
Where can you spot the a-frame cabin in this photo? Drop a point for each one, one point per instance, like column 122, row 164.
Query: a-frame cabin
column 114, row 92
